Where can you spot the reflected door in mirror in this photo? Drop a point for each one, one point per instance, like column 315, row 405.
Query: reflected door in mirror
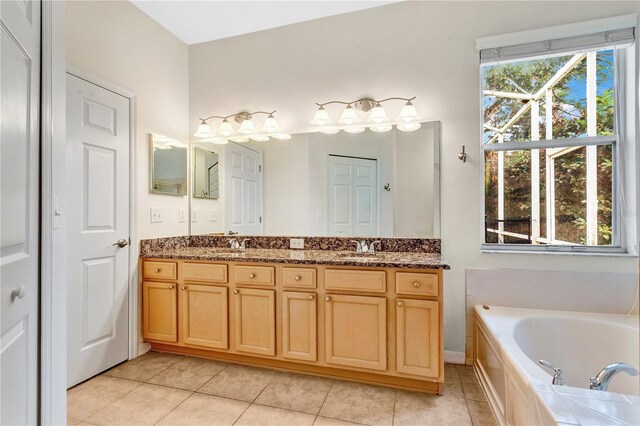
column 353, row 205
column 244, row 184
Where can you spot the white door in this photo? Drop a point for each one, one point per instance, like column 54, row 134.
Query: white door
column 340, row 195
column 365, row 197
column 353, row 196
column 98, row 184
column 19, row 210
column 244, row 189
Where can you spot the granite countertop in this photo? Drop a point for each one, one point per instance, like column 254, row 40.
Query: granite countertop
column 306, row 257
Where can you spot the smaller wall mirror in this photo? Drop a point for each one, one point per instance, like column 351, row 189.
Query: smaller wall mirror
column 206, row 173
column 168, row 166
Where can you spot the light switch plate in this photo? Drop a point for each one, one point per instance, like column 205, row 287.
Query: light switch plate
column 296, row 243
column 213, row 215
column 156, row 215
column 194, row 215
column 182, row 215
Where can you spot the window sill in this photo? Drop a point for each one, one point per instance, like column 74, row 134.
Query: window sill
column 612, row 253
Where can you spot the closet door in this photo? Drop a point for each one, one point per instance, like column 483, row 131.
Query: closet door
column 19, row 195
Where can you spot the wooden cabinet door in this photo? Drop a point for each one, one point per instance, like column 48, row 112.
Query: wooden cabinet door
column 204, row 316
column 299, row 326
column 160, row 311
column 417, row 334
column 255, row 321
column 356, row 331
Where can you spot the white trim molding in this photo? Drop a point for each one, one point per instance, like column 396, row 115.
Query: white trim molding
column 558, row 31
column 452, row 357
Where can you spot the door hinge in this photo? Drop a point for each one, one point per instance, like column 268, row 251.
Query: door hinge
column 260, row 219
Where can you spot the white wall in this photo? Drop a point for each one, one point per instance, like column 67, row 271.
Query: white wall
column 116, row 42
column 410, row 48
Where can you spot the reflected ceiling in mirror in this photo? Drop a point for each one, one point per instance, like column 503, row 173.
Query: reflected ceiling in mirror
column 168, row 165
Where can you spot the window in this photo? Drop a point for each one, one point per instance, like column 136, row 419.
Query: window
column 551, row 144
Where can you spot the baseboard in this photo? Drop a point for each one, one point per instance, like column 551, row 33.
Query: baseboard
column 451, row 357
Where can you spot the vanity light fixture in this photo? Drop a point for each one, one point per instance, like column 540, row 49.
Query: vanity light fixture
column 246, row 131
column 377, row 119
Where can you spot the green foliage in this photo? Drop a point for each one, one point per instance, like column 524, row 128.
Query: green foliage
column 569, row 120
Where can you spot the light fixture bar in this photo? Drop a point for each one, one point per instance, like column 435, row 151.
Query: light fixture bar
column 364, row 99
column 247, row 130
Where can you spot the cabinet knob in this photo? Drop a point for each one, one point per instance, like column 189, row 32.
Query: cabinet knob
column 236, row 291
column 252, row 275
column 328, row 299
column 297, row 278
column 400, row 303
column 311, row 297
column 183, row 288
column 416, row 284
column 18, row 293
column 171, row 286
column 156, row 270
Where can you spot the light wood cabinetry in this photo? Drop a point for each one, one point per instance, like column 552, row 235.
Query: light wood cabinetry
column 255, row 321
column 160, row 320
column 356, row 331
column 299, row 326
column 417, row 340
column 204, row 319
column 375, row 325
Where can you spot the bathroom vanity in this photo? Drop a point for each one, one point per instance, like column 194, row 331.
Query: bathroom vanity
column 374, row 318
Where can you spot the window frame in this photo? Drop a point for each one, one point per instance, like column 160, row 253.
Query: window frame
column 619, row 238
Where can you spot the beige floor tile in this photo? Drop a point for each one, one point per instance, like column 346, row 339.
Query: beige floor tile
column 295, row 392
column 209, row 410
column 144, row 367
column 238, row 382
column 413, row 408
column 467, row 374
column 451, row 372
column 92, row 396
column 189, row 373
column 325, row 421
column 144, row 405
column 473, row 391
column 259, row 415
column 354, row 402
column 481, row 414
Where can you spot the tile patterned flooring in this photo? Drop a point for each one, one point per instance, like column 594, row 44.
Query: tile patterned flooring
column 168, row 389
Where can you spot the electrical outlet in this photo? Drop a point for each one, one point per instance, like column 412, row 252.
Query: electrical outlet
column 296, row 243
column 182, row 215
column 156, row 215
column 194, row 216
column 213, row 215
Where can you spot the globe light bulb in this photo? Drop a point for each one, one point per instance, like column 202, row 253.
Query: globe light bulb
column 348, row 116
column 204, row 131
column 321, row 117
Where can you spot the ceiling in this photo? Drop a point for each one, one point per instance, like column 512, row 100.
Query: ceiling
column 200, row 21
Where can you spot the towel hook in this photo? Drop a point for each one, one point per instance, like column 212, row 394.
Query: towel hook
column 463, row 155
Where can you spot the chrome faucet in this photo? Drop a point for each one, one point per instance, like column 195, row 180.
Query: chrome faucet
column 557, row 373
column 364, row 247
column 602, row 379
column 235, row 245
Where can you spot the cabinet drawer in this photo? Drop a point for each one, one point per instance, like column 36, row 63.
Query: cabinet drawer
column 204, row 272
column 353, row 280
column 417, row 283
column 258, row 275
column 299, row 277
column 160, row 270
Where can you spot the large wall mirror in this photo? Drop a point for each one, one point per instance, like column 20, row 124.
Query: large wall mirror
column 168, row 166
column 361, row 185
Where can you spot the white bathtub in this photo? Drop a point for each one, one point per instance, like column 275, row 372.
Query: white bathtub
column 508, row 343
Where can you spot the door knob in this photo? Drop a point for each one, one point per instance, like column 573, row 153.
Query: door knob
column 18, row 293
column 121, row 243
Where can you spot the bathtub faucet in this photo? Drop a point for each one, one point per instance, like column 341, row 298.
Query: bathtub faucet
column 557, row 373
column 602, row 379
